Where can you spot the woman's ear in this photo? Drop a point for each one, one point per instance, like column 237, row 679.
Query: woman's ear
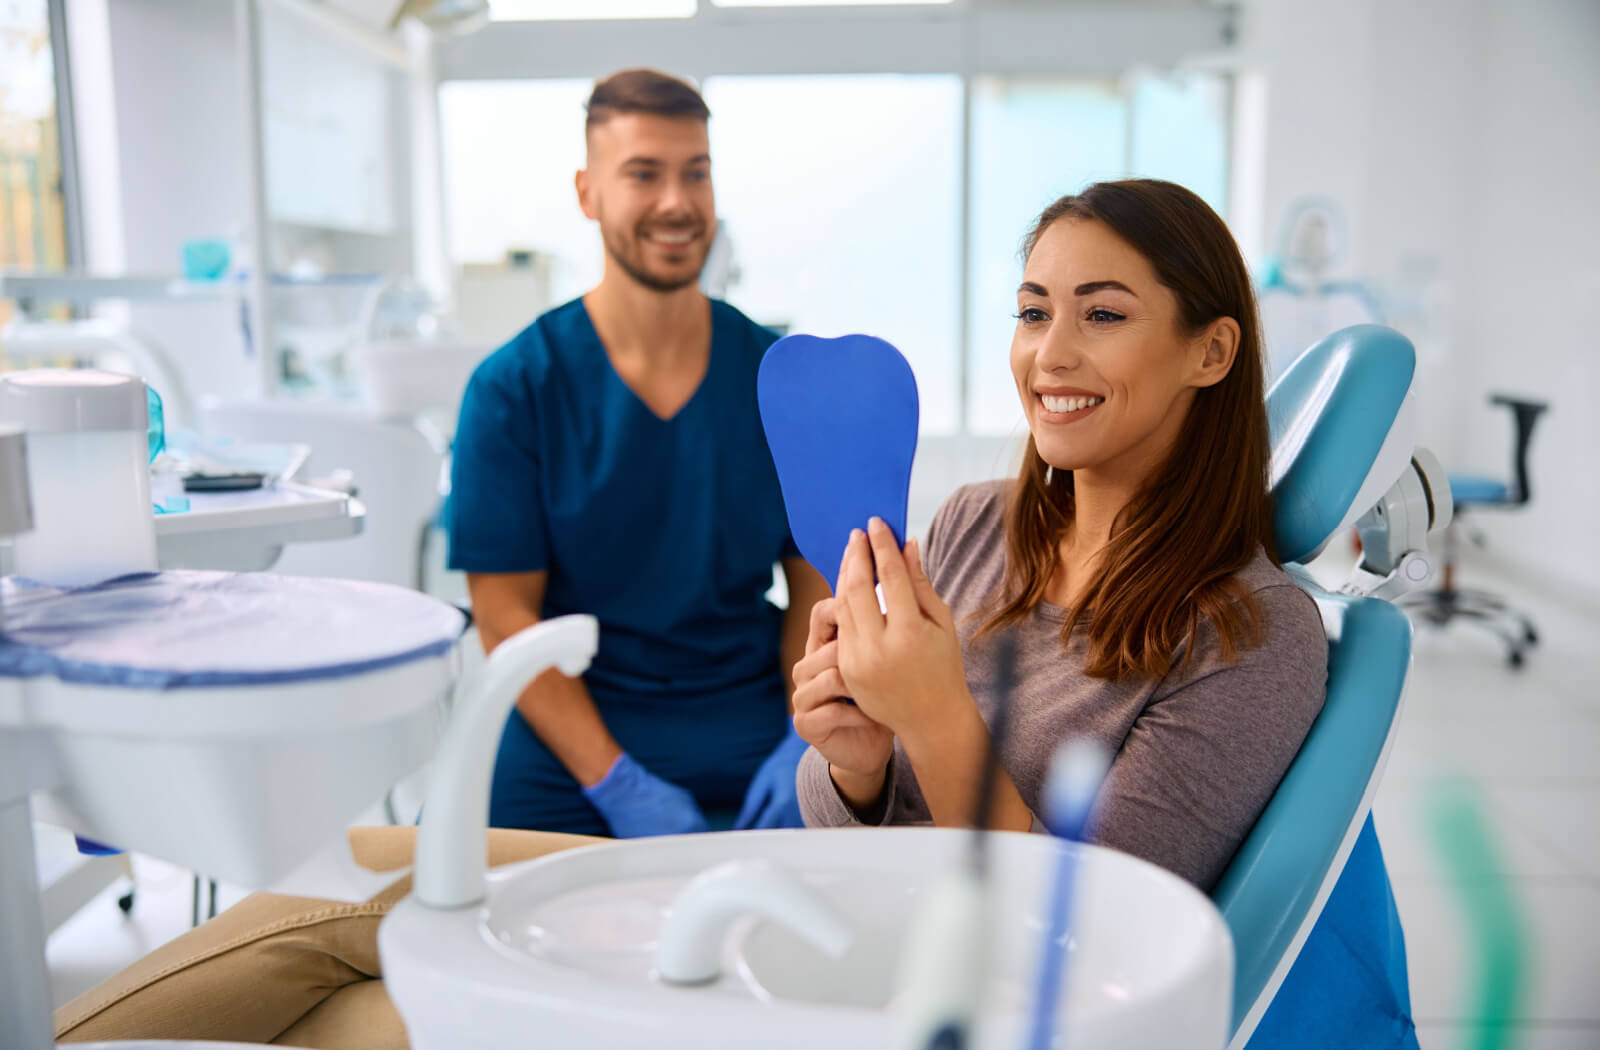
column 1215, row 352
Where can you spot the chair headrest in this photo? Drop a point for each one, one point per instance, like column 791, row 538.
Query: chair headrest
column 1339, row 435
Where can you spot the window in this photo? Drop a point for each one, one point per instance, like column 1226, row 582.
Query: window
column 33, row 224
column 510, row 151
column 1180, row 133
column 559, row 10
column 1032, row 141
column 842, row 195
column 1037, row 139
column 827, row 3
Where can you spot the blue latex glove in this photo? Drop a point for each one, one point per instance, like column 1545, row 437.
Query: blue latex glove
column 636, row 802
column 771, row 800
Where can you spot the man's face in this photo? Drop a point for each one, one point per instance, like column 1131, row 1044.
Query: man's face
column 648, row 185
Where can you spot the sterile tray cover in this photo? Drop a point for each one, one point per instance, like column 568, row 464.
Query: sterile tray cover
column 178, row 630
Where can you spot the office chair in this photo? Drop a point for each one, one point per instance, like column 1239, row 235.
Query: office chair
column 1448, row 602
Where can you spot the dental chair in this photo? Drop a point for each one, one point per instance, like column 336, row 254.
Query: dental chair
column 1446, row 603
column 1343, row 454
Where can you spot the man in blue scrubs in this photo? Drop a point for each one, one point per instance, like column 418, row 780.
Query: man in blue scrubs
column 610, row 460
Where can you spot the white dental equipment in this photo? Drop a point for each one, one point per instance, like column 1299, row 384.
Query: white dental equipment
column 161, row 714
column 1395, row 532
column 46, row 343
column 88, row 471
column 704, row 915
column 1298, row 303
column 16, row 500
column 697, row 940
column 567, row 950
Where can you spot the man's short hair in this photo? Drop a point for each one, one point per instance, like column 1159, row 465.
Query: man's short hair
column 643, row 91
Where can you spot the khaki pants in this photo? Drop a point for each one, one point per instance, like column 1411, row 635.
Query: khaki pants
column 274, row 969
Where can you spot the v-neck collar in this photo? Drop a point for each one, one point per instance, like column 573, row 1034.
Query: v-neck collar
column 611, row 368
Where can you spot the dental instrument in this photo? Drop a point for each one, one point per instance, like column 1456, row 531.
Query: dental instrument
column 945, row 964
column 1076, row 772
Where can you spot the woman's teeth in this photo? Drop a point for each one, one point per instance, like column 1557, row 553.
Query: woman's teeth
column 1068, row 404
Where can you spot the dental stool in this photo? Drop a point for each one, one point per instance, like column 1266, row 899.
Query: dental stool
column 1342, row 425
column 1445, row 604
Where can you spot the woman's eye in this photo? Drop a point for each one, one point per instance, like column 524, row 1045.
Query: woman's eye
column 1031, row 315
column 1100, row 315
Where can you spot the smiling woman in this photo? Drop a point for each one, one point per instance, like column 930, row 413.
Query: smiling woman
column 1154, row 319
column 1131, row 563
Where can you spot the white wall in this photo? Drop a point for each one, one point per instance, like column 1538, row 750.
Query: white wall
column 163, row 145
column 1530, row 303
column 1461, row 138
column 181, row 166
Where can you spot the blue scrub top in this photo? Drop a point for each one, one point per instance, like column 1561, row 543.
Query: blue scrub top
column 665, row 530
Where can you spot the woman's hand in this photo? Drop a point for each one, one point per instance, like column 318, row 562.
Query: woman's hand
column 857, row 748
column 902, row 664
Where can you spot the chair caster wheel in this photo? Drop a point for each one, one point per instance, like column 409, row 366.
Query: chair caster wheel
column 1515, row 659
column 1530, row 635
column 125, row 902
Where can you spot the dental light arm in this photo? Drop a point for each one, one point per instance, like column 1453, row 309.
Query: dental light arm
column 1394, row 531
column 1328, row 454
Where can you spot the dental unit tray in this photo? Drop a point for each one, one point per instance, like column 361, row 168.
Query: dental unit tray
column 246, row 531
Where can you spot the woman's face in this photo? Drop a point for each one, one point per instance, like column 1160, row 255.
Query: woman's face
column 1104, row 369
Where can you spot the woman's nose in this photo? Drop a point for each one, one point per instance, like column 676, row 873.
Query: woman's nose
column 1059, row 351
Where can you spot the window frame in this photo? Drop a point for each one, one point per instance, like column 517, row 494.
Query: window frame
column 66, row 134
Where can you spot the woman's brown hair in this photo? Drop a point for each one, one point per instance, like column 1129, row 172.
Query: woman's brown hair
column 1204, row 514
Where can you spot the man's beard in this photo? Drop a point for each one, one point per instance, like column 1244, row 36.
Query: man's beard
column 649, row 280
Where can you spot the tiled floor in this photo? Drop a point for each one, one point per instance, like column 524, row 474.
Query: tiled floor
column 1525, row 746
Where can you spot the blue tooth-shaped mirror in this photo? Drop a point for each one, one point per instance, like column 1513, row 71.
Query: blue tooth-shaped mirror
column 841, row 421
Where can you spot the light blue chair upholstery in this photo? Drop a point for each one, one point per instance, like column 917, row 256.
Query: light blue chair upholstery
column 1330, row 414
column 1472, row 489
